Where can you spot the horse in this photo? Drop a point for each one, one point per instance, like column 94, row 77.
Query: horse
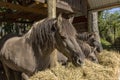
column 2, row 73
column 6, row 37
column 63, row 60
column 2, row 41
column 31, row 52
column 91, row 39
column 88, row 51
column 89, row 45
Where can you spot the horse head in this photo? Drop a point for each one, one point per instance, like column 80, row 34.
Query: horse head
column 93, row 40
column 66, row 40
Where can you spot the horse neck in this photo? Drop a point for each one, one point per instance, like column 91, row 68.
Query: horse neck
column 42, row 43
column 42, row 39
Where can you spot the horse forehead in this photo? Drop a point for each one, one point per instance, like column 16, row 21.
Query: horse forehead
column 69, row 32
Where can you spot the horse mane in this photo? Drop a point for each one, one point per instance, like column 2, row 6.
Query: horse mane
column 86, row 35
column 40, row 34
column 41, row 30
column 86, row 48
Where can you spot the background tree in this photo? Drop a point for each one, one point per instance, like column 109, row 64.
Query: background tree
column 109, row 25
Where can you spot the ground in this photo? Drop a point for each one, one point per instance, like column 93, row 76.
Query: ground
column 107, row 69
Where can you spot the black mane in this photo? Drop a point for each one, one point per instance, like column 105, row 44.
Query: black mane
column 41, row 38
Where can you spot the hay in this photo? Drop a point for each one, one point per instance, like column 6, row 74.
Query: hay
column 110, row 59
column 107, row 70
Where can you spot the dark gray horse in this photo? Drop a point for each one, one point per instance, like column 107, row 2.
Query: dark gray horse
column 88, row 51
column 2, row 41
column 91, row 39
column 32, row 51
column 89, row 45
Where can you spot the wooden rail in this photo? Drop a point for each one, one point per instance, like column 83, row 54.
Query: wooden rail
column 22, row 8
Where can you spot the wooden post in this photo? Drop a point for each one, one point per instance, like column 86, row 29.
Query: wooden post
column 51, row 8
column 93, row 23
column 90, row 21
column 52, row 14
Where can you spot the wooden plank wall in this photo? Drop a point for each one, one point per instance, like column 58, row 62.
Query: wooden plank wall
column 81, row 24
column 79, row 6
column 76, row 4
column 81, row 27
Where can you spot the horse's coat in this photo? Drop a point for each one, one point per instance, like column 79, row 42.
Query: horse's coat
column 91, row 39
column 89, row 45
column 88, row 50
column 32, row 51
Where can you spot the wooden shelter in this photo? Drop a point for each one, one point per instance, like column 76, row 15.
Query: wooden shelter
column 33, row 9
column 28, row 11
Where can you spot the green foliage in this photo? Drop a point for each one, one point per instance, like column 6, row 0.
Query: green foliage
column 109, row 25
column 105, row 44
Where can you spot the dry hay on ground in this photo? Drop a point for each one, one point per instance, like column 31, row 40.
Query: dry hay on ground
column 106, row 70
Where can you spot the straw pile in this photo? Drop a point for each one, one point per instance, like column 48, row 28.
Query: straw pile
column 108, row 69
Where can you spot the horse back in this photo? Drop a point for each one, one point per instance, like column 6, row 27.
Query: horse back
column 18, row 55
column 5, row 38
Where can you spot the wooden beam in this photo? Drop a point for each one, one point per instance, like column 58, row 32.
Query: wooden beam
column 52, row 14
column 106, row 6
column 65, row 7
column 93, row 23
column 88, row 5
column 51, row 8
column 61, row 5
column 40, row 3
column 22, row 8
column 21, row 15
column 14, row 15
column 10, row 20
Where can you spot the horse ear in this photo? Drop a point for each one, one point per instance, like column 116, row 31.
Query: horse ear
column 91, row 36
column 71, row 18
column 54, row 28
column 59, row 19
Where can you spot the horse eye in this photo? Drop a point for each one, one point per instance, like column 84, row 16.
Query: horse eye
column 53, row 28
column 63, row 37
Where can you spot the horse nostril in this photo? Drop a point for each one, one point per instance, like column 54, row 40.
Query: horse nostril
column 95, row 60
column 79, row 62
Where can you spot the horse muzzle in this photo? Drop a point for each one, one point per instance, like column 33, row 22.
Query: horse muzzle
column 77, row 61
